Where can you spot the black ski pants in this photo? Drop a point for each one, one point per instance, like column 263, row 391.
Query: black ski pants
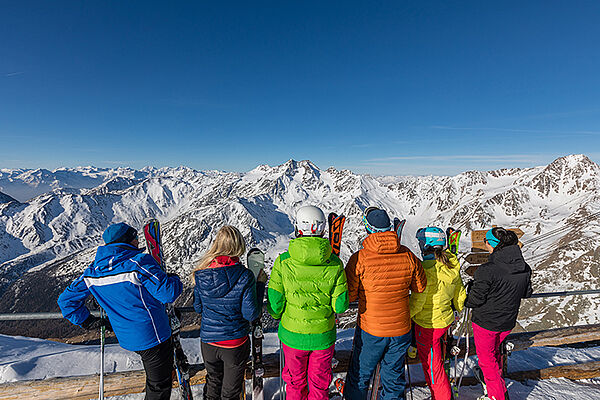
column 158, row 364
column 225, row 370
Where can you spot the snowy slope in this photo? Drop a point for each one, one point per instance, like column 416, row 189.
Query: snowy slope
column 24, row 184
column 48, row 240
column 25, row 358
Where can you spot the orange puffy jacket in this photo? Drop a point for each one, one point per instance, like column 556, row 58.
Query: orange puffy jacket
column 380, row 276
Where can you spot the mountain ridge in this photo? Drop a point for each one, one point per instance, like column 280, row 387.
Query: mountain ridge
column 65, row 223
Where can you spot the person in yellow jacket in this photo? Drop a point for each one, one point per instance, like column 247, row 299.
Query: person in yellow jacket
column 432, row 311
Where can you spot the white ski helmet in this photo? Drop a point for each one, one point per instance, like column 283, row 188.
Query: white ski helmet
column 310, row 221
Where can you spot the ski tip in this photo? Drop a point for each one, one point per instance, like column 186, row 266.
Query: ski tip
column 255, row 250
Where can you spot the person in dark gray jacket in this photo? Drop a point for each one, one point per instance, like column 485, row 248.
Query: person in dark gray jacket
column 495, row 297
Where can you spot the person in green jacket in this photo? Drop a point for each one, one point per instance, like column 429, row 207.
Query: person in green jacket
column 431, row 310
column 306, row 289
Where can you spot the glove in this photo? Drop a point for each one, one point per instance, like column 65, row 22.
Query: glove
column 469, row 284
column 412, row 351
column 262, row 277
column 92, row 323
column 172, row 274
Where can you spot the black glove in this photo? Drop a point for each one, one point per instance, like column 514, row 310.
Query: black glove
column 92, row 323
column 469, row 284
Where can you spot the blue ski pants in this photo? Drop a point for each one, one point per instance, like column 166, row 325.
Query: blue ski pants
column 370, row 350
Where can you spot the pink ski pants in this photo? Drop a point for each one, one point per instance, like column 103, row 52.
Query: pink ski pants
column 487, row 344
column 303, row 367
column 430, row 347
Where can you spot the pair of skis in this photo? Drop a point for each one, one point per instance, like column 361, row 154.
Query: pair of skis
column 451, row 345
column 336, row 228
column 256, row 263
column 180, row 362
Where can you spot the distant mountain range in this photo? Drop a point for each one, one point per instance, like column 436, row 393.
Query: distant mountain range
column 51, row 221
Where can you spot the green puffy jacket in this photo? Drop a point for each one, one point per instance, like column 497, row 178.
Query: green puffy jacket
column 433, row 307
column 307, row 286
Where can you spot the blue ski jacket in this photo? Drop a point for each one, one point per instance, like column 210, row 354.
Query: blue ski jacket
column 226, row 297
column 132, row 288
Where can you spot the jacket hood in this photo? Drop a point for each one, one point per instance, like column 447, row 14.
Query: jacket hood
column 382, row 242
column 510, row 259
column 112, row 254
column 443, row 273
column 217, row 282
column 310, row 250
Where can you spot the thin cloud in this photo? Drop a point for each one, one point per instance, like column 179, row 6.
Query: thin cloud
column 366, row 145
column 467, row 157
column 182, row 102
column 8, row 75
column 456, row 128
column 563, row 114
column 13, row 136
column 115, row 162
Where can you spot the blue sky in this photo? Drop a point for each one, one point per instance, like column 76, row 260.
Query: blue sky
column 379, row 87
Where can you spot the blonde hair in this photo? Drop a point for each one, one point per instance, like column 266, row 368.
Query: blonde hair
column 228, row 242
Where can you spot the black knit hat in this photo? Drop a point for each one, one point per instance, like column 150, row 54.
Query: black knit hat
column 377, row 220
column 119, row 233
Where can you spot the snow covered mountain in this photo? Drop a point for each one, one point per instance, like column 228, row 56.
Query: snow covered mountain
column 47, row 240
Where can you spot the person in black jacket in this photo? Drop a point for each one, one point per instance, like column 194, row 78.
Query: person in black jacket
column 225, row 295
column 495, row 297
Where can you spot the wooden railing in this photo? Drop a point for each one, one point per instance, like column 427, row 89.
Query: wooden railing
column 121, row 383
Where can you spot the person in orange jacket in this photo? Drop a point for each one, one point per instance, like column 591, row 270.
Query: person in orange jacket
column 380, row 276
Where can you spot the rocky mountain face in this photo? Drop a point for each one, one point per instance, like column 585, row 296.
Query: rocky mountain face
column 49, row 235
column 4, row 198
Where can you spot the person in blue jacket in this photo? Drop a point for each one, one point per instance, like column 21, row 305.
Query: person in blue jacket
column 225, row 295
column 132, row 288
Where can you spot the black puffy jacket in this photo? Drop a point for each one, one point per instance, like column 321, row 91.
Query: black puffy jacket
column 498, row 288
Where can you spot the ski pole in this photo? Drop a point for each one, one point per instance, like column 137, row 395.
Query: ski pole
column 462, row 372
column 281, row 385
column 408, row 376
column 102, row 334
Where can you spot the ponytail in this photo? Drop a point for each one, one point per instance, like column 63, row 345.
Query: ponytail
column 442, row 257
column 505, row 237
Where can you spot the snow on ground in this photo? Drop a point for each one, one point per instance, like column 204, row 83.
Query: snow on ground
column 24, row 358
column 550, row 389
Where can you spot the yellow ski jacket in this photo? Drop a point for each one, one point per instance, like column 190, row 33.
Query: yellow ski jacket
column 433, row 307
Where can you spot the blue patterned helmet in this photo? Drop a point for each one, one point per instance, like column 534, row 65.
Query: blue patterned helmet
column 431, row 237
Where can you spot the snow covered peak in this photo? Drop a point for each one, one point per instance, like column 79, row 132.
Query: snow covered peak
column 568, row 175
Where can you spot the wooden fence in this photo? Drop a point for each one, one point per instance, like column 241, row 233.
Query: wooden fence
column 121, row 383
